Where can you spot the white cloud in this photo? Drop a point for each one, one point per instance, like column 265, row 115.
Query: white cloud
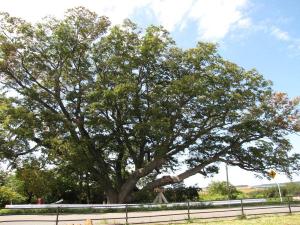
column 244, row 23
column 117, row 10
column 293, row 43
column 214, row 18
column 34, row 10
column 280, row 34
column 170, row 13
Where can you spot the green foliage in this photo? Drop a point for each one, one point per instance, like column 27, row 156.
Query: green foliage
column 289, row 189
column 10, row 189
column 173, row 194
column 144, row 196
column 3, row 176
column 8, row 196
column 218, row 190
column 273, row 192
column 256, row 194
column 15, row 184
column 182, row 194
column 36, row 181
column 292, row 189
column 212, row 197
column 31, row 181
column 118, row 105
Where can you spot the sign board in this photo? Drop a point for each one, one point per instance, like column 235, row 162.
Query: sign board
column 272, row 174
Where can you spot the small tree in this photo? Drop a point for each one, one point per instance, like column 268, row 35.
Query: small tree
column 288, row 189
column 293, row 189
column 8, row 196
column 10, row 189
column 218, row 190
column 36, row 181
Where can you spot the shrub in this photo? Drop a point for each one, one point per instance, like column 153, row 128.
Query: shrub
column 7, row 195
column 174, row 194
column 220, row 191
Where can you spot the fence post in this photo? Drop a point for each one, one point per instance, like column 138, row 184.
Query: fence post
column 188, row 210
column 126, row 213
column 57, row 213
column 242, row 207
column 289, row 204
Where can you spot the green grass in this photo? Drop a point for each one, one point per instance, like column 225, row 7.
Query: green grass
column 293, row 219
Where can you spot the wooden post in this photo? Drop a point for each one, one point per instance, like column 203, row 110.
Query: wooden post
column 242, row 207
column 160, row 198
column 126, row 212
column 57, row 213
column 188, row 208
column 289, row 204
column 88, row 222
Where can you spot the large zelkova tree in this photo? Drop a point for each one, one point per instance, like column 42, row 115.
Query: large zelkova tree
column 128, row 107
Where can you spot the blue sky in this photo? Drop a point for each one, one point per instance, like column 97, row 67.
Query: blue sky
column 259, row 34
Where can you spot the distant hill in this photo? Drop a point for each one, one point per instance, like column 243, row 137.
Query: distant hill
column 273, row 185
column 261, row 186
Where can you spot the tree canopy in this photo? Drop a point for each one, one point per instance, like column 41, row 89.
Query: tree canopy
column 128, row 107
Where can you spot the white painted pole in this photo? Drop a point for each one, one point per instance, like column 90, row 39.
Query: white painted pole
column 272, row 174
column 227, row 182
column 279, row 191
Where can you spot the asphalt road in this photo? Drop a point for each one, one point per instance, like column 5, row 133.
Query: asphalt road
column 142, row 217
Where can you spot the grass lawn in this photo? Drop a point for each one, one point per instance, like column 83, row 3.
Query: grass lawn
column 293, row 219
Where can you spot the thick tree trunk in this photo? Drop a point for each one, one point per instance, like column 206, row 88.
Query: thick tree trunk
column 112, row 197
column 29, row 199
column 130, row 184
column 122, row 196
column 127, row 188
column 118, row 197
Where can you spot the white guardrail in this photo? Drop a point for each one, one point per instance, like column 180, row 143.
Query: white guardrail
column 122, row 206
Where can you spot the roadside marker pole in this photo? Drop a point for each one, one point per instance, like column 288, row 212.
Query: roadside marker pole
column 57, row 213
column 289, row 204
column 242, row 207
column 279, row 191
column 272, row 174
column 188, row 208
column 126, row 212
column 227, row 184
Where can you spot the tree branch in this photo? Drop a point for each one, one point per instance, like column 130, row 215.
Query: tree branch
column 165, row 180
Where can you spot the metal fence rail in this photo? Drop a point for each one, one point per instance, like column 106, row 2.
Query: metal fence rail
column 188, row 211
column 123, row 206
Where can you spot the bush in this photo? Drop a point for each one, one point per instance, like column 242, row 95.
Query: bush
column 7, row 195
column 293, row 189
column 289, row 189
column 182, row 194
column 256, row 194
column 174, row 194
column 220, row 191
